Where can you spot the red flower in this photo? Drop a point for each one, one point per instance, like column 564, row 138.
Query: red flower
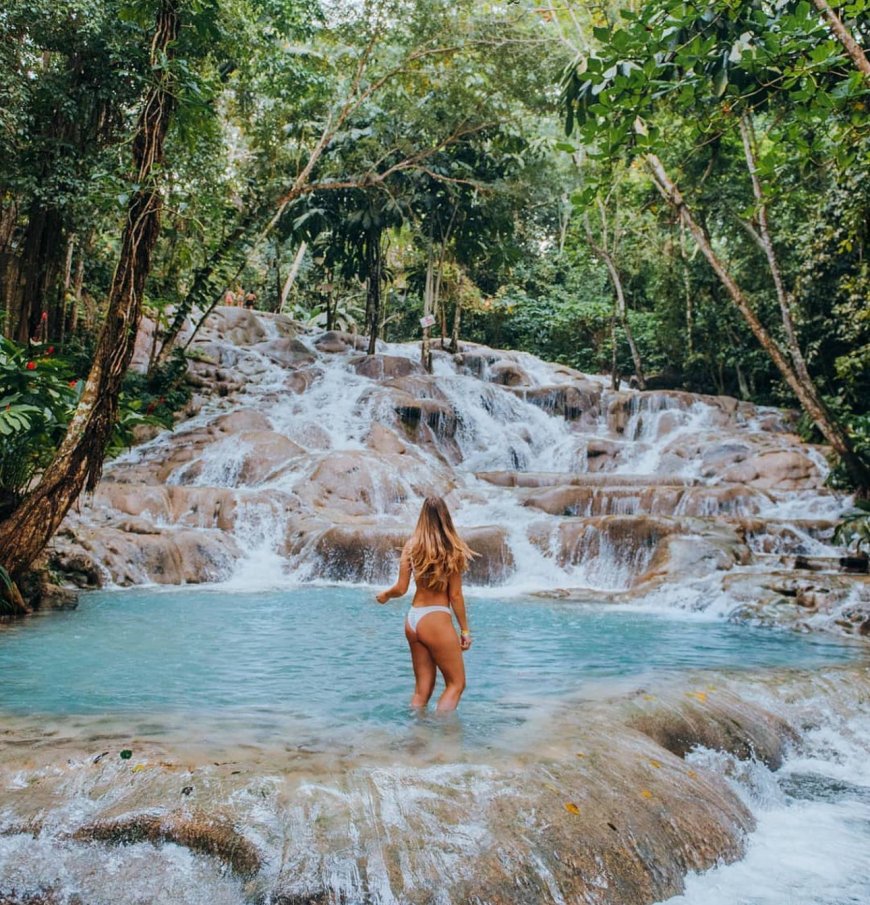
column 31, row 366
column 44, row 316
column 73, row 383
column 49, row 350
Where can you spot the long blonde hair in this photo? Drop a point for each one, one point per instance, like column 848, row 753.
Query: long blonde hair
column 435, row 549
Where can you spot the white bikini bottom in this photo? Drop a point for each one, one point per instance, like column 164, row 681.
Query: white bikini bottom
column 416, row 613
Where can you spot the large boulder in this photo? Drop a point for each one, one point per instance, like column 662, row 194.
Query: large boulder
column 494, row 562
column 239, row 326
column 368, row 552
column 612, row 552
column 335, row 341
column 136, row 553
column 564, row 400
column 359, row 482
column 385, row 367
column 244, row 459
column 287, row 352
column 776, row 469
column 507, row 374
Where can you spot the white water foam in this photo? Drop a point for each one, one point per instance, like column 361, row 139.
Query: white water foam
column 811, row 845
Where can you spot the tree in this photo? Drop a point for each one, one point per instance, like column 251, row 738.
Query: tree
column 78, row 462
column 717, row 69
column 69, row 71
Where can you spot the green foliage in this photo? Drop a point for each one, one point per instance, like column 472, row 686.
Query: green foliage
column 37, row 397
column 858, row 427
column 39, row 391
column 151, row 399
column 855, row 526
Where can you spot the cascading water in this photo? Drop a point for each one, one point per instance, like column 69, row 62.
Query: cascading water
column 334, row 448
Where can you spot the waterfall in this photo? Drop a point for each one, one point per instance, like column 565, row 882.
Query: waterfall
column 559, row 479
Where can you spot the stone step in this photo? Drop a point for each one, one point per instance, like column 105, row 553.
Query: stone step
column 562, row 479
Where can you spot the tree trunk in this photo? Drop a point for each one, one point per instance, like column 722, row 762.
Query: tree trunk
column 741, row 381
column 291, row 277
column 766, row 242
column 65, row 289
column 687, row 289
column 614, row 369
column 373, row 292
column 622, row 314
column 457, row 319
column 620, row 308
column 78, row 282
column 78, row 463
column 426, row 347
column 279, row 283
column 806, row 394
column 331, row 303
column 38, row 270
column 853, row 48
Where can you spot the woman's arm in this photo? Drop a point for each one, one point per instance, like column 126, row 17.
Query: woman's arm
column 400, row 588
column 457, row 601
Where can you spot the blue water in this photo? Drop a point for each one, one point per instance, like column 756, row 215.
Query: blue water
column 321, row 658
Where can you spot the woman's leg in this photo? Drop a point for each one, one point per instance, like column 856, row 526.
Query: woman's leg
column 436, row 632
column 424, row 670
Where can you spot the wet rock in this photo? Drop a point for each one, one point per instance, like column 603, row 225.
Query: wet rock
column 697, row 553
column 241, row 420
column 251, row 458
column 417, row 386
column 560, row 479
column 590, row 501
column 385, row 367
column 183, row 556
column 475, row 362
column 78, row 569
column 507, row 374
column 239, row 326
column 381, row 439
column 287, row 352
column 715, row 720
column 601, row 454
column 366, row 553
column 494, row 563
column 336, row 341
column 774, row 536
column 360, row 482
column 780, row 469
column 12, row 896
column 369, row 552
column 617, row 550
column 568, row 402
column 201, row 833
column 438, row 417
column 817, row 601
column 40, row 591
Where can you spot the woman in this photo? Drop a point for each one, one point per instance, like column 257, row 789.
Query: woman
column 437, row 556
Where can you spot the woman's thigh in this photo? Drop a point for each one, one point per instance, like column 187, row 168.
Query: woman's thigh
column 424, row 665
column 437, row 633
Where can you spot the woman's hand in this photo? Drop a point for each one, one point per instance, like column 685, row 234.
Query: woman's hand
column 383, row 597
column 464, row 640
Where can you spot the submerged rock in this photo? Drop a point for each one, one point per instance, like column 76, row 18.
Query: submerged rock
column 202, row 833
column 599, row 805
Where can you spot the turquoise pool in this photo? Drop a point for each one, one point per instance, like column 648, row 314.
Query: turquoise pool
column 303, row 662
